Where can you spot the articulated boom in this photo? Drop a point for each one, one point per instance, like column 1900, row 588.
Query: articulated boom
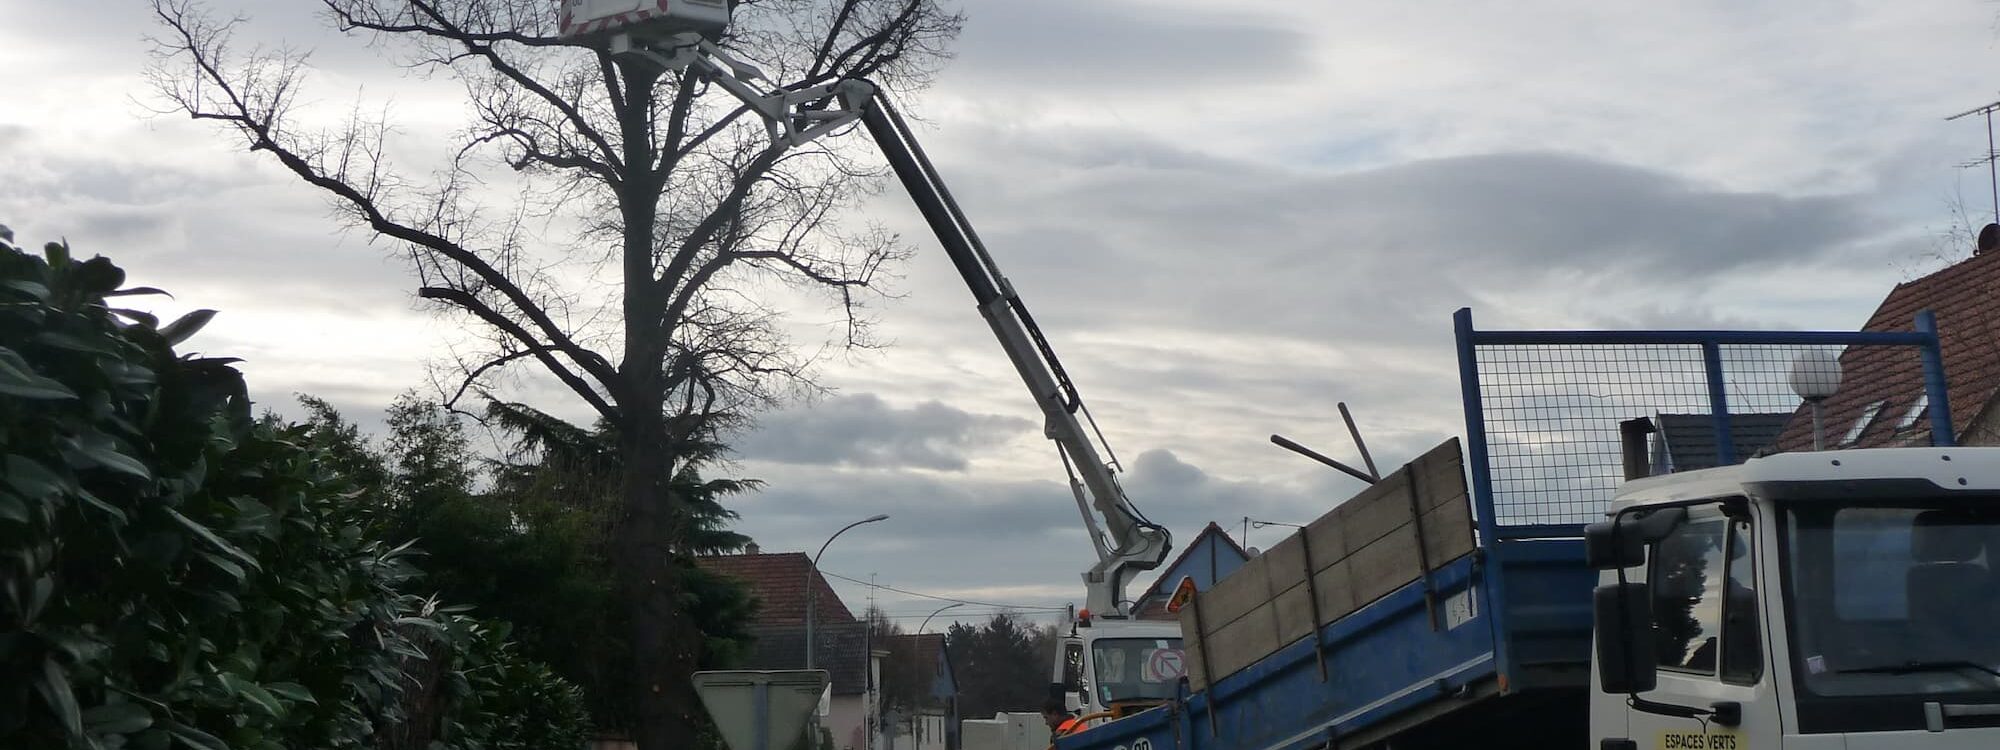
column 1126, row 542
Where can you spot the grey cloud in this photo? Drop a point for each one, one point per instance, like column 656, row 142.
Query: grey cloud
column 115, row 225
column 981, row 532
column 1051, row 44
column 1501, row 210
column 185, row 228
column 863, row 430
column 798, row 499
column 1184, row 497
column 119, row 33
column 1214, row 244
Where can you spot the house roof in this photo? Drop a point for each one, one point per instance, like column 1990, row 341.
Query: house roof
column 778, row 581
column 1690, row 438
column 841, row 649
column 1964, row 298
column 1223, row 556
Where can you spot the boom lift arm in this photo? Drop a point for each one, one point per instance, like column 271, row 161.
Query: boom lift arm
column 1126, row 542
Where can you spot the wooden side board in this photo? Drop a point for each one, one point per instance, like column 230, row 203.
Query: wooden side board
column 1359, row 551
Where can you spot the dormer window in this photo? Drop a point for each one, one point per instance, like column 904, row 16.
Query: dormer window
column 1915, row 413
column 1861, row 423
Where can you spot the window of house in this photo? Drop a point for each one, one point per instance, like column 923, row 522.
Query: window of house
column 1861, row 423
column 1916, row 411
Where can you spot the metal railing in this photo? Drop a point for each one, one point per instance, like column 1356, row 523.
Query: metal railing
column 1543, row 409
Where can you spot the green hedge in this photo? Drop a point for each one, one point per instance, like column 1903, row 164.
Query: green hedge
column 175, row 573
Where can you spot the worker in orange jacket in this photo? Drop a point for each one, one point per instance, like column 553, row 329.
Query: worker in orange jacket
column 1059, row 719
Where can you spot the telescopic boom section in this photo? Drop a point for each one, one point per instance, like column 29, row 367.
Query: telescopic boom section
column 1127, row 543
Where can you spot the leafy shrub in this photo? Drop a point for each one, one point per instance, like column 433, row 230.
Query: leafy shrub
column 174, row 573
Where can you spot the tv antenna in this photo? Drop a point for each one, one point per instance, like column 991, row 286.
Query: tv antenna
column 1992, row 158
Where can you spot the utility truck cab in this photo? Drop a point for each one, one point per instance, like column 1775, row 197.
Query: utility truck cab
column 1108, row 667
column 1845, row 599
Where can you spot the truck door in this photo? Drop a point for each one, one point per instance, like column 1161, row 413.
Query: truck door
column 1071, row 673
column 1710, row 631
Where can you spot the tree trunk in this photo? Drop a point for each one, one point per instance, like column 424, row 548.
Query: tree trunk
column 666, row 647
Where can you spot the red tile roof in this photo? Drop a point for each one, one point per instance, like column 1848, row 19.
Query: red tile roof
column 840, row 648
column 778, row 581
column 1966, row 299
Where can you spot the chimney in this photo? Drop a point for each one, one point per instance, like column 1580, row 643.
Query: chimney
column 1632, row 437
column 752, row 549
column 1989, row 238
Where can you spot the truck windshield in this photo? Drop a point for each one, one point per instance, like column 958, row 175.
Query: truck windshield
column 1894, row 599
column 1137, row 668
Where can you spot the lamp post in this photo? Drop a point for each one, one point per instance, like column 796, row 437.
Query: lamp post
column 927, row 620
column 1252, row 523
column 812, row 590
column 1815, row 376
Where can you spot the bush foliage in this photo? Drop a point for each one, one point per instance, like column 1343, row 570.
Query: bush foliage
column 175, row 573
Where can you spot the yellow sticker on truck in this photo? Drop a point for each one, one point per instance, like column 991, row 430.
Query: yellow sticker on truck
column 1718, row 739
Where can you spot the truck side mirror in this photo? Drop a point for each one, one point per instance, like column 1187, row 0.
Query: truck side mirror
column 1627, row 656
column 1621, row 542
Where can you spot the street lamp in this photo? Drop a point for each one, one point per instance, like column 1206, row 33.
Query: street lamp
column 1815, row 376
column 1252, row 523
column 812, row 590
column 927, row 620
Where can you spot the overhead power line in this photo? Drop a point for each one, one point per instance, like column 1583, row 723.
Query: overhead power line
column 919, row 594
column 971, row 615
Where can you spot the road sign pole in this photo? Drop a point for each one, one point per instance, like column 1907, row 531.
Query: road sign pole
column 763, row 709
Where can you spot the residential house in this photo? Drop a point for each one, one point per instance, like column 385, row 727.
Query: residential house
column 1881, row 400
column 923, row 692
column 841, row 643
column 1686, row 442
column 1211, row 556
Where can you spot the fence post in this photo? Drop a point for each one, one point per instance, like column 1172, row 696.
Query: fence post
column 1934, row 383
column 1718, row 404
column 1494, row 606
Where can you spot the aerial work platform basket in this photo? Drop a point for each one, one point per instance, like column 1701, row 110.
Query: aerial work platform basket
column 585, row 21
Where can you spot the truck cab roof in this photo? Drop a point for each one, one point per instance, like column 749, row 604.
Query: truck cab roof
column 1835, row 473
column 1122, row 628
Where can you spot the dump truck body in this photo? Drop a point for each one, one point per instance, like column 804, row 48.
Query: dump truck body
column 1401, row 644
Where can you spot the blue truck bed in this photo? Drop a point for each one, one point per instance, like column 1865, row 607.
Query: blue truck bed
column 1502, row 640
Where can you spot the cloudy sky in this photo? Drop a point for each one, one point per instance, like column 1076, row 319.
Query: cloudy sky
column 1227, row 221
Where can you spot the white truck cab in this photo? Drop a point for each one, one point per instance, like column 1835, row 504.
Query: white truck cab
column 1114, row 666
column 1843, row 599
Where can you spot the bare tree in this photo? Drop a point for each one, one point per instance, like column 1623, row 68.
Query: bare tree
column 600, row 216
